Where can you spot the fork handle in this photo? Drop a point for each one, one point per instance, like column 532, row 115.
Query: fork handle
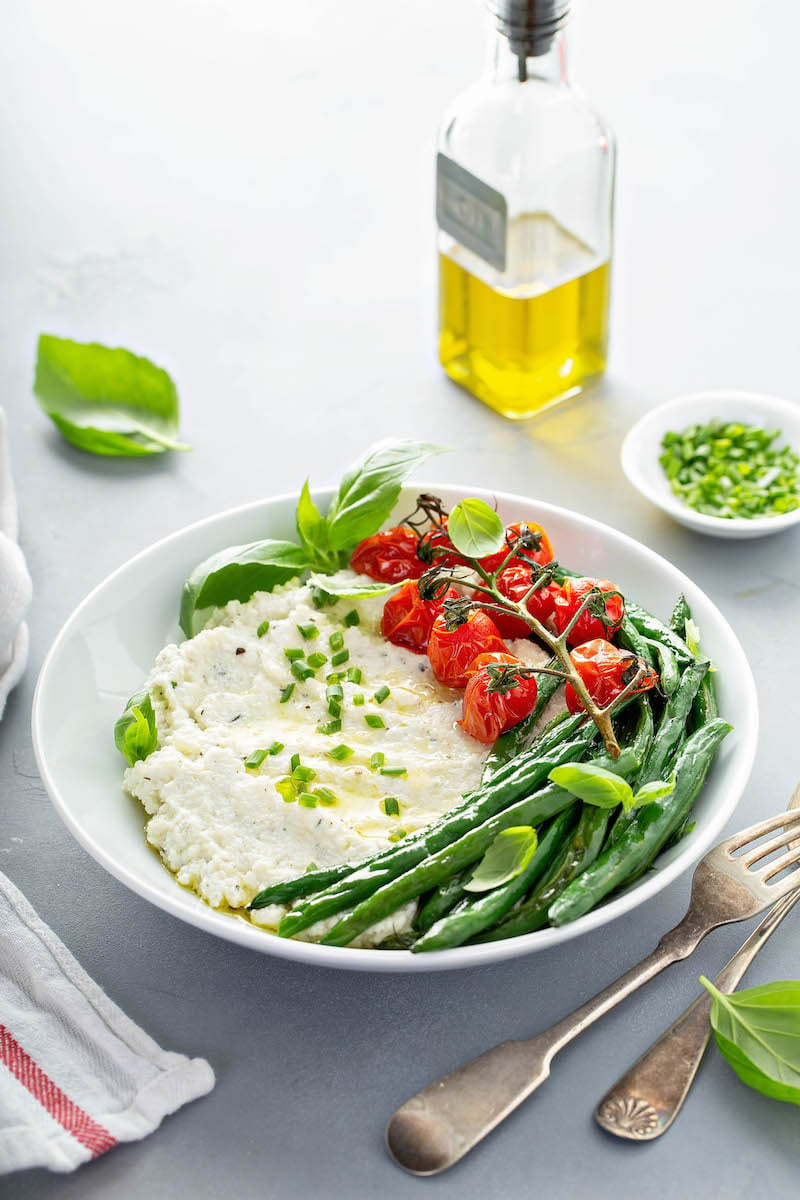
column 435, row 1128
column 644, row 1102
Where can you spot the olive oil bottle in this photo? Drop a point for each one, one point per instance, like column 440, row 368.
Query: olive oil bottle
column 525, row 181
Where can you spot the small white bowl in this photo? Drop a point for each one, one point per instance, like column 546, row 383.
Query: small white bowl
column 642, row 447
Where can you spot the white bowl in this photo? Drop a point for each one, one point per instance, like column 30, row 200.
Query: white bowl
column 108, row 645
column 642, row 448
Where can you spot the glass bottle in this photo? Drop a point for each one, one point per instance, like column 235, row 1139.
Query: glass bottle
column 525, row 182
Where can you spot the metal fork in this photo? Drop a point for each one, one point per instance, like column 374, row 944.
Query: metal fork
column 435, row 1128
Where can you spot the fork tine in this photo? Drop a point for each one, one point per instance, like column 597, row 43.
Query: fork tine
column 780, row 864
column 777, row 843
column 787, row 820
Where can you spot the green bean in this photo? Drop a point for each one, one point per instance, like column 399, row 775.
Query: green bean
column 705, row 706
column 303, row 885
column 672, row 727
column 681, row 613
column 652, row 827
column 441, row 900
column 530, row 770
column 668, row 668
column 474, row 913
column 650, row 627
column 453, row 857
column 629, row 637
column 580, row 852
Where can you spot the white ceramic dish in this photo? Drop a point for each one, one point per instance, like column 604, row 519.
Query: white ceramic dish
column 642, row 447
column 108, row 645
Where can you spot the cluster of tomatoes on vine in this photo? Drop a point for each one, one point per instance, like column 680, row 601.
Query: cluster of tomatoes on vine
column 463, row 631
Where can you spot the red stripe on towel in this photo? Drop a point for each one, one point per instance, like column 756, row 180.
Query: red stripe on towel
column 57, row 1103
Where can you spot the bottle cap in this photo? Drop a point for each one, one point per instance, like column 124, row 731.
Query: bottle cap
column 529, row 25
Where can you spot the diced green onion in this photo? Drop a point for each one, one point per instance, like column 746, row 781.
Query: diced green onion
column 335, row 708
column 312, row 866
column 262, row 629
column 334, row 691
column 286, row 693
column 394, row 770
column 334, row 677
column 341, row 656
column 325, row 796
column 300, row 672
column 358, row 699
column 308, row 632
column 286, row 788
column 294, row 762
column 339, row 753
column 377, row 760
column 254, row 760
column 383, row 693
column 353, row 675
column 303, row 774
column 294, row 652
column 397, row 836
column 374, row 721
column 336, row 640
column 390, row 806
column 351, row 618
column 317, row 659
column 275, row 748
column 307, row 800
column 329, row 727
column 321, row 598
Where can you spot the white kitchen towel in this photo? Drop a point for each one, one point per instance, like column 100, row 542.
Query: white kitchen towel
column 76, row 1075
column 15, row 582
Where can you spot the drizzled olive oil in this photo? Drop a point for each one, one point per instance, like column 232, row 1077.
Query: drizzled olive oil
column 534, row 334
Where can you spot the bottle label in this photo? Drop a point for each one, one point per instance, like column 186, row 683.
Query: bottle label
column 471, row 212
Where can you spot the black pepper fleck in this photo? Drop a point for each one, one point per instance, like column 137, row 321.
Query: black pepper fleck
column 240, row 649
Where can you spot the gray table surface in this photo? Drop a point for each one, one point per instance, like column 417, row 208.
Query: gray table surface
column 243, row 191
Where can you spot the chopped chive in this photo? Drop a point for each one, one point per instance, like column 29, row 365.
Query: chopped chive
column 325, row 796
column 397, row 835
column 335, row 708
column 336, row 640
column 262, row 629
column 358, row 699
column 308, row 632
column 390, row 806
column 334, row 677
column 334, row 691
column 377, row 760
column 329, row 727
column 320, row 598
column 352, row 618
column 394, row 770
column 301, row 672
column 312, row 866
column 307, row 800
column 317, row 659
column 254, row 760
column 353, row 675
column 383, row 693
column 341, row 656
column 374, row 721
column 303, row 774
column 286, row 693
column 339, row 753
column 275, row 748
column 294, row 762
column 173, row 683
column 286, row 788
column 294, row 652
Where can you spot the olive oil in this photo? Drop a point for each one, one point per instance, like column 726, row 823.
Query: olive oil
column 530, row 336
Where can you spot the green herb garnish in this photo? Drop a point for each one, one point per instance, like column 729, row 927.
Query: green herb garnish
column 262, row 629
column 390, row 806
column 300, row 672
column 354, row 675
column 393, row 770
column 351, row 618
column 374, row 721
column 308, row 632
column 254, row 760
column 286, row 693
column 359, row 699
column 598, row 786
column 302, row 774
column 507, row 856
column 758, row 1032
column 286, row 788
column 336, row 640
column 317, row 659
column 383, row 693
column 339, row 753
column 307, row 800
column 377, row 760
column 135, row 734
column 341, row 656
column 326, row 796
column 330, row 727
column 294, row 653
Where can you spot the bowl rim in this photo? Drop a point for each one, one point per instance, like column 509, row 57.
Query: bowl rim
column 194, row 911
column 664, row 498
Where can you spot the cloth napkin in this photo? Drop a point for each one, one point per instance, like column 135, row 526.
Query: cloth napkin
column 76, row 1075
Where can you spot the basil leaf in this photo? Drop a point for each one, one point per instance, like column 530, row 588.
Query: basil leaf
column 657, row 790
column 507, row 856
column 236, row 574
column 475, row 529
column 350, row 589
column 135, row 731
column 593, row 785
column 107, row 401
column 370, row 489
column 312, row 528
column 758, row 1032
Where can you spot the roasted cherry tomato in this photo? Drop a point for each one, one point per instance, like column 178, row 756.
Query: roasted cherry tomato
column 514, row 582
column 390, row 555
column 436, row 549
column 568, row 600
column 452, row 653
column 606, row 671
column 488, row 713
column 542, row 554
column 407, row 618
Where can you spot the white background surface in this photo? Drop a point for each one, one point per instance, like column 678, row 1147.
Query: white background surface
column 244, row 192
